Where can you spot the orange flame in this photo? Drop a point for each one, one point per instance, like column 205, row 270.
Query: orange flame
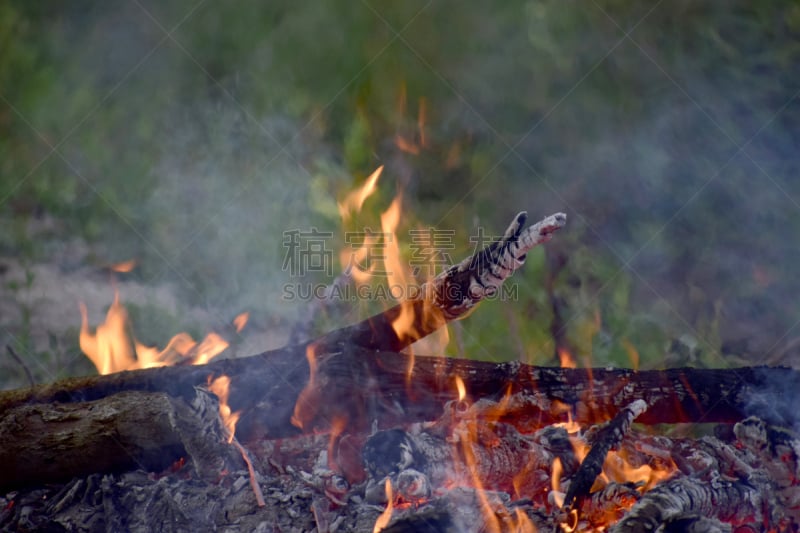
column 521, row 523
column 337, row 427
column 109, row 348
column 113, row 349
column 422, row 116
column 124, row 267
column 492, row 520
column 555, row 482
column 618, row 469
column 566, row 359
column 462, row 389
column 305, row 406
column 405, row 145
column 412, row 146
column 212, row 345
column 352, row 260
column 398, row 278
column 386, row 516
column 241, row 321
column 221, row 387
column 353, row 202
column 355, row 199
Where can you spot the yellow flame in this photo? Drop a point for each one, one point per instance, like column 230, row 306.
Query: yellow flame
column 618, row 469
column 462, row 389
column 570, row 425
column 112, row 348
column 355, row 199
column 386, row 516
column 221, row 387
column 396, row 274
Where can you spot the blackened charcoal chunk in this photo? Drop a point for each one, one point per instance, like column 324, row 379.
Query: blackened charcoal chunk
column 413, row 486
column 389, row 452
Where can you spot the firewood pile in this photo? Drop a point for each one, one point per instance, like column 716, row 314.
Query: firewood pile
column 469, row 470
column 343, row 433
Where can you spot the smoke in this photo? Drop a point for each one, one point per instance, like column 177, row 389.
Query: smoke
column 195, row 151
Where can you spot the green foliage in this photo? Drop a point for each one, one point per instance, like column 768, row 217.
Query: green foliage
column 194, row 152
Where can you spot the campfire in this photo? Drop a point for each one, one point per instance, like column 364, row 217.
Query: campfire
column 356, row 431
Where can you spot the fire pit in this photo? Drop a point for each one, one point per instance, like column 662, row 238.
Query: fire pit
column 344, row 433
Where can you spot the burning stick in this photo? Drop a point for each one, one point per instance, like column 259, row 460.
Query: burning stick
column 458, row 289
column 220, row 387
column 451, row 294
column 607, row 437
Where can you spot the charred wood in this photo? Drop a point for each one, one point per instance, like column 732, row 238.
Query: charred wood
column 47, row 443
column 362, row 386
column 686, row 498
column 605, row 438
column 450, row 295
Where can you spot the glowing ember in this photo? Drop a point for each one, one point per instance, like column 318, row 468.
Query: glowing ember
column 386, row 516
column 220, row 387
column 113, row 349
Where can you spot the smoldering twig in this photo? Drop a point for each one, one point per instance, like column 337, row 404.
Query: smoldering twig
column 606, row 438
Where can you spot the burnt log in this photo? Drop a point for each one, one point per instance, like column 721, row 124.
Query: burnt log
column 361, row 387
column 355, row 377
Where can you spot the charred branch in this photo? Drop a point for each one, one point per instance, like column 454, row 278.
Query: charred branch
column 362, row 386
column 608, row 436
column 686, row 498
column 450, row 295
column 46, row 443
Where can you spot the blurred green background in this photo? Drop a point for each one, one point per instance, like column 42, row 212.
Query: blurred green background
column 191, row 135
